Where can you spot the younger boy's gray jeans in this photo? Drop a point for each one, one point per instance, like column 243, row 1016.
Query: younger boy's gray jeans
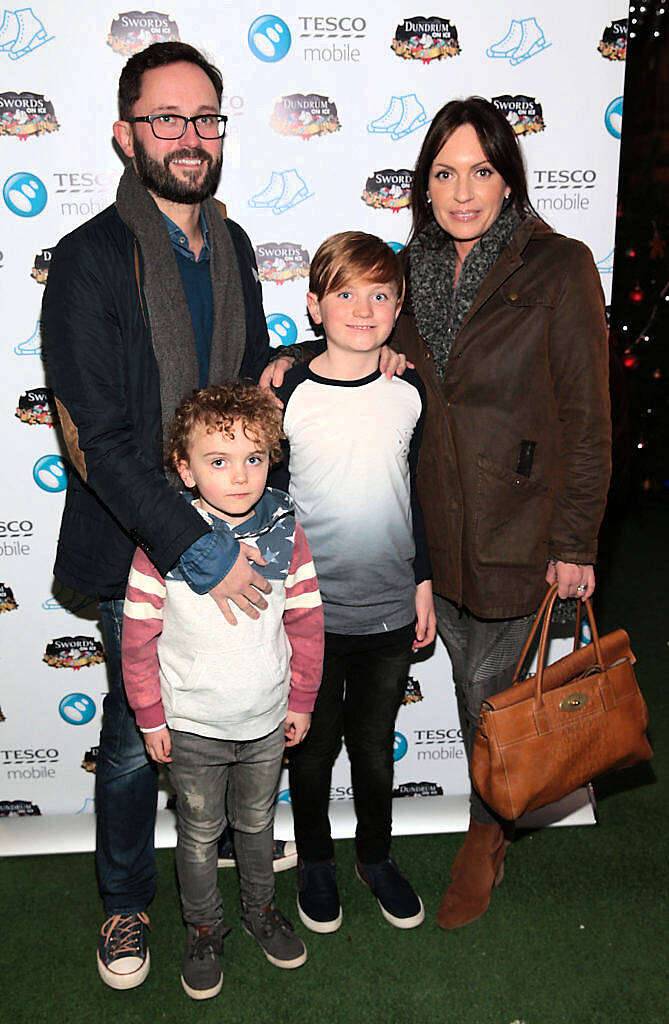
column 220, row 782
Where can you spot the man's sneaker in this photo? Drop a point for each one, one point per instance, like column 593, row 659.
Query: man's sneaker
column 123, row 956
column 274, row 934
column 399, row 903
column 201, row 974
column 284, row 855
column 318, row 897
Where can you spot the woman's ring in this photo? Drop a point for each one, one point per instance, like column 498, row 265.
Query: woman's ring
column 581, row 588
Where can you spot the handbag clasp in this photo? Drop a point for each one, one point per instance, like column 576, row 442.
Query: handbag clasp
column 573, row 702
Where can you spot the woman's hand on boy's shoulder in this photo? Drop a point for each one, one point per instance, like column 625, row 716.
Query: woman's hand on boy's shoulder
column 426, row 618
column 392, row 362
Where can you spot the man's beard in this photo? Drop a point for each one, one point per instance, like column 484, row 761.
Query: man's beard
column 158, row 177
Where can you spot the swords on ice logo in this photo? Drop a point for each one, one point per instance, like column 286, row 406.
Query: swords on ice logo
column 73, row 652
column 7, row 601
column 388, row 189
column 523, row 113
column 305, row 116
column 282, row 261
column 23, row 114
column 613, row 44
column 135, row 30
column 426, row 39
column 37, row 407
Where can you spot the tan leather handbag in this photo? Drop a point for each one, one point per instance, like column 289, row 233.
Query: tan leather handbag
column 576, row 719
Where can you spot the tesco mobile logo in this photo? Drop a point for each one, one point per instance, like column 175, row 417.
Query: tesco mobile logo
column 269, row 38
column 613, row 117
column 50, row 474
column 77, row 709
column 25, row 194
column 282, row 329
column 283, row 796
column 400, row 746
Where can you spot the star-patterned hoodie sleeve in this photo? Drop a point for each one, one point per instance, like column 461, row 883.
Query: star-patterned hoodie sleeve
column 303, row 621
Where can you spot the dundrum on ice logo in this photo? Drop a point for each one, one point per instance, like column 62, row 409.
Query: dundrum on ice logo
column 426, row 39
column 23, row 114
column 613, row 44
column 523, row 113
column 388, row 189
column 40, row 267
column 305, row 116
column 135, row 30
column 282, row 261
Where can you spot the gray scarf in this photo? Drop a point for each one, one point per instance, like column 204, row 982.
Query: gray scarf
column 169, row 316
column 439, row 308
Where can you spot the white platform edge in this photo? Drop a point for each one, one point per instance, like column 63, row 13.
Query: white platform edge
column 75, row 833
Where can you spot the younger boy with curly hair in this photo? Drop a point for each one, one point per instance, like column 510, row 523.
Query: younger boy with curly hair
column 216, row 701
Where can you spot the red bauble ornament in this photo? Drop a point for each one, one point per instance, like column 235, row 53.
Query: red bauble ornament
column 637, row 294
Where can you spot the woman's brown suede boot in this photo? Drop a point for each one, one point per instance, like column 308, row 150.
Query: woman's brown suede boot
column 478, row 867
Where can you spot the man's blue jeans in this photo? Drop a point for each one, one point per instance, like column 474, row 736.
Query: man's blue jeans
column 126, row 789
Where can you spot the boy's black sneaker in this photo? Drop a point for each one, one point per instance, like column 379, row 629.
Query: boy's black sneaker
column 284, row 853
column 123, row 956
column 201, row 974
column 398, row 902
column 275, row 935
column 318, row 897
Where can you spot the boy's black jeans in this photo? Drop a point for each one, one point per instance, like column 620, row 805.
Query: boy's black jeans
column 364, row 680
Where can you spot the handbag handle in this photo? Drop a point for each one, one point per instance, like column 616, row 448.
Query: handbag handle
column 543, row 620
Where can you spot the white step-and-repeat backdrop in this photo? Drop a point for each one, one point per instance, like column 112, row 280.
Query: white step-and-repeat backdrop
column 328, row 105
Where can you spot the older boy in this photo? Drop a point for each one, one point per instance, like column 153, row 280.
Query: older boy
column 353, row 438
column 217, row 701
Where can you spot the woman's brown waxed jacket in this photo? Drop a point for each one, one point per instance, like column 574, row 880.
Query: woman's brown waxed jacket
column 527, row 373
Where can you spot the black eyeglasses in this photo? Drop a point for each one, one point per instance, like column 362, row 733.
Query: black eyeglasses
column 173, row 126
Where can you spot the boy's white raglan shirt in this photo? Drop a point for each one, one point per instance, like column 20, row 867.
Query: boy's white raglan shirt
column 351, row 460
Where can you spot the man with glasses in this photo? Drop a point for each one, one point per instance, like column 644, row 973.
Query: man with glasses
column 156, row 296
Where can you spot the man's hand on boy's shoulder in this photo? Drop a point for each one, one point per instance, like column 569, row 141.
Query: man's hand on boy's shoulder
column 426, row 618
column 273, row 374
column 297, row 726
column 159, row 745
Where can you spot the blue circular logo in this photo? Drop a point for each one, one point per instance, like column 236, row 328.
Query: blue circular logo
column 269, row 38
column 613, row 117
column 283, row 796
column 395, row 246
column 77, row 709
column 400, row 746
column 50, row 474
column 25, row 194
column 282, row 329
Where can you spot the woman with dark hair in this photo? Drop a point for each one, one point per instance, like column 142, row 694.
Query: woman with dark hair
column 504, row 320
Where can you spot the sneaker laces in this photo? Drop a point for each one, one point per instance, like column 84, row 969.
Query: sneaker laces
column 123, row 933
column 209, row 944
column 272, row 918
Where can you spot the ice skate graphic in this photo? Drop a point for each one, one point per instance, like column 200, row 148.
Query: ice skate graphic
column 32, row 346
column 605, row 265
column 21, row 32
column 524, row 39
column 284, row 191
column 405, row 114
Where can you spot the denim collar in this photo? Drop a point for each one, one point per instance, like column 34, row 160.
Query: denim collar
column 180, row 241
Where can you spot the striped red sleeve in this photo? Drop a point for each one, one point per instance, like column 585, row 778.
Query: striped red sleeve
column 303, row 619
column 142, row 625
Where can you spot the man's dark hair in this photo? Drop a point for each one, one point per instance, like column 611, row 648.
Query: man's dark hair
column 159, row 55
